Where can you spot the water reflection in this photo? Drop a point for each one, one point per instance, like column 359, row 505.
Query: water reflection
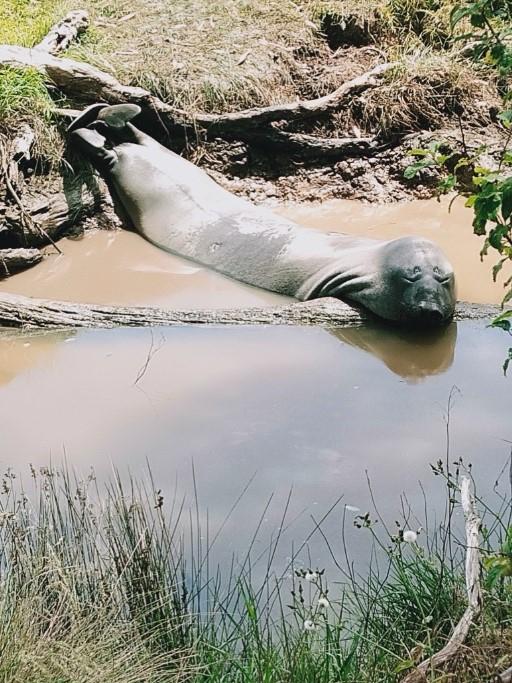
column 411, row 354
column 293, row 408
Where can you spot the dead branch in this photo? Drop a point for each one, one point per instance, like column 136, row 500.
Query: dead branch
column 86, row 83
column 12, row 260
column 60, row 36
column 473, row 589
column 19, row 311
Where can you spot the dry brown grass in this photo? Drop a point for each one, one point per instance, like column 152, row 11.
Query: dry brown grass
column 426, row 91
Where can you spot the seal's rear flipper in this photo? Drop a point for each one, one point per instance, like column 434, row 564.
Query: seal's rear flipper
column 87, row 117
column 118, row 115
column 93, row 146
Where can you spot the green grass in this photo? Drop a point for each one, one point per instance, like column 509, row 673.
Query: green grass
column 114, row 583
column 26, row 22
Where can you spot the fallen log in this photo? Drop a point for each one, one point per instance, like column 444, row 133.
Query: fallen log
column 13, row 260
column 86, row 83
column 60, row 36
column 473, row 590
column 23, row 312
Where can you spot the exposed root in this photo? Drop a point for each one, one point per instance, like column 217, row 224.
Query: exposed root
column 86, row 83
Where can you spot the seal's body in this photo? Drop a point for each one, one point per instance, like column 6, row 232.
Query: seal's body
column 178, row 207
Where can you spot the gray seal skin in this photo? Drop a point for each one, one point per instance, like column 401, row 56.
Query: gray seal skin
column 178, row 207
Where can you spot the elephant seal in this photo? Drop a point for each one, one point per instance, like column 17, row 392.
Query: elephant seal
column 178, row 207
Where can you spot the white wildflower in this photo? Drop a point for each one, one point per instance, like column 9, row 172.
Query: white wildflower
column 323, row 602
column 311, row 576
column 410, row 536
column 310, row 625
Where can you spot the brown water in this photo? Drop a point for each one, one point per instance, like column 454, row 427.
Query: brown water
column 291, row 407
column 122, row 268
column 451, row 230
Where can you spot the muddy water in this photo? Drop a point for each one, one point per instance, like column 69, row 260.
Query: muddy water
column 283, row 408
column 451, row 230
column 120, row 267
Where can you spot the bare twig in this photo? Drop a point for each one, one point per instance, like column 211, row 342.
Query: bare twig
column 473, row 589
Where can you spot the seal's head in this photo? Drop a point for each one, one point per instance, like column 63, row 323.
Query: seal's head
column 417, row 283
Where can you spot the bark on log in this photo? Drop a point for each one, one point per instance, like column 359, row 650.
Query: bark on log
column 12, row 260
column 22, row 312
column 60, row 36
column 473, row 589
column 86, row 83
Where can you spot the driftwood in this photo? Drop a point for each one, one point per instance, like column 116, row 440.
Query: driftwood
column 22, row 312
column 60, row 36
column 473, row 589
column 86, row 83
column 12, row 260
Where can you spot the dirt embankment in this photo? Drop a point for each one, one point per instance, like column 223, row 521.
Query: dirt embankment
column 336, row 107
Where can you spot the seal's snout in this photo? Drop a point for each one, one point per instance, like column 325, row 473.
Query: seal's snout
column 430, row 314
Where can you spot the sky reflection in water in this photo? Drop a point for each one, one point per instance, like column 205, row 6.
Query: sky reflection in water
column 295, row 407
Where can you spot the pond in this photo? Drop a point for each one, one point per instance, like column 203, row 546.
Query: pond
column 259, row 410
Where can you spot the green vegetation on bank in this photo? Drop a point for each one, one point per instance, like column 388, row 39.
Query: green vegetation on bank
column 112, row 583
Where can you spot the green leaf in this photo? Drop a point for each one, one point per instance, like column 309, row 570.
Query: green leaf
column 496, row 269
column 418, row 152
column 403, row 665
column 459, row 13
column 507, row 158
column 506, row 118
column 507, row 297
column 477, row 20
column 447, row 184
column 470, row 201
column 506, row 199
column 412, row 170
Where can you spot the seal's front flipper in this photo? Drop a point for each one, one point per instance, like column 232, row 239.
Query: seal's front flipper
column 87, row 117
column 93, row 146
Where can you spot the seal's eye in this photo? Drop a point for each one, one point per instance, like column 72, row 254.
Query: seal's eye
column 444, row 279
column 413, row 276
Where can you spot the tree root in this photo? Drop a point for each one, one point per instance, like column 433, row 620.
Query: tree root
column 474, row 591
column 86, row 83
